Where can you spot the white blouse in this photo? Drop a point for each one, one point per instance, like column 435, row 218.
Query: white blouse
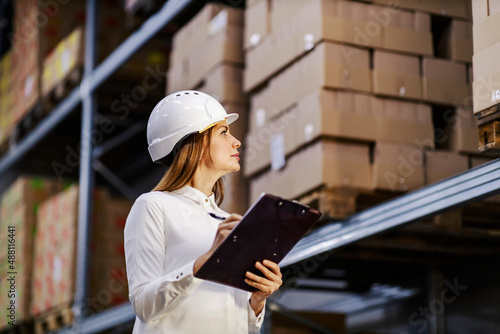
column 165, row 233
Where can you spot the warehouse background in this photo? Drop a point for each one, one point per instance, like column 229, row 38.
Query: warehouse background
column 343, row 104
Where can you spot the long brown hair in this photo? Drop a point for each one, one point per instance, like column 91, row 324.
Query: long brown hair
column 186, row 162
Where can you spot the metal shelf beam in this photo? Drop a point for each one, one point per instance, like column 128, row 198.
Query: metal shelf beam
column 471, row 186
column 116, row 59
column 459, row 190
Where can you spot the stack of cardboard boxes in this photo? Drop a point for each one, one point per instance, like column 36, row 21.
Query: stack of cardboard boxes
column 108, row 275
column 44, row 216
column 207, row 55
column 486, row 85
column 48, row 53
column 349, row 94
column 55, row 252
column 18, row 211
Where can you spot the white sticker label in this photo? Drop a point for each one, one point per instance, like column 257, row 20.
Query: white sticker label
column 57, row 269
column 254, row 39
column 402, row 91
column 308, row 41
column 65, row 61
column 278, row 151
column 28, row 85
column 260, row 117
column 309, row 131
column 495, row 96
column 217, row 23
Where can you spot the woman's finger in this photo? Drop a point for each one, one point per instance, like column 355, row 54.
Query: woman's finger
column 273, row 266
column 266, row 289
column 268, row 273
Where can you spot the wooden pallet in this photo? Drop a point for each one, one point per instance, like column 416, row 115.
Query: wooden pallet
column 53, row 319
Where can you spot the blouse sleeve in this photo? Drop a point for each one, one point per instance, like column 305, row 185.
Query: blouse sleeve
column 254, row 322
column 152, row 292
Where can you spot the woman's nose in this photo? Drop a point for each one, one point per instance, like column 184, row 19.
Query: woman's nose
column 236, row 143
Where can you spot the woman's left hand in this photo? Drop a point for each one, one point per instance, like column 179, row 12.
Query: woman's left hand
column 265, row 286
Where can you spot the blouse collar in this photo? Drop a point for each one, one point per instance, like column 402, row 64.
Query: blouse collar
column 196, row 195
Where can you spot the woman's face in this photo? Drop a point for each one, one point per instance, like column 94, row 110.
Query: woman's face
column 224, row 149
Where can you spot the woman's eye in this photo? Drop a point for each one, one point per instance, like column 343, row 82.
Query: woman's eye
column 224, row 132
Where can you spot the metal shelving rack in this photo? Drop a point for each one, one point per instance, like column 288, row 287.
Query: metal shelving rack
column 457, row 191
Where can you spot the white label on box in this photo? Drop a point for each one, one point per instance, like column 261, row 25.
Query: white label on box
column 308, row 41
column 402, row 91
column 254, row 39
column 65, row 61
column 278, row 151
column 57, row 269
column 308, row 131
column 260, row 117
column 495, row 96
column 217, row 23
column 28, row 85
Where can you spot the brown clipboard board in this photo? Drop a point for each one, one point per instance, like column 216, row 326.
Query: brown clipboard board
column 269, row 230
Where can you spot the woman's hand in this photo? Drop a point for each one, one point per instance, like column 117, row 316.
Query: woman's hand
column 265, row 285
column 225, row 227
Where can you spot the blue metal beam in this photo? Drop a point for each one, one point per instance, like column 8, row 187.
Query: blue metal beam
column 116, row 59
column 462, row 189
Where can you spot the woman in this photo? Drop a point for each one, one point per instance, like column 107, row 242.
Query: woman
column 171, row 231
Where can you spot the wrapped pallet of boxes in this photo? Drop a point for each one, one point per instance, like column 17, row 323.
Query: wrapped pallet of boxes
column 108, row 280
column 55, row 252
column 486, row 84
column 310, row 22
column 18, row 210
column 64, row 63
column 207, row 55
column 212, row 38
column 39, row 27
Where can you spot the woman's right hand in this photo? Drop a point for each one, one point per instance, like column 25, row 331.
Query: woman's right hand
column 225, row 227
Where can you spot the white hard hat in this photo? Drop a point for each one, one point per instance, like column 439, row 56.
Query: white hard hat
column 179, row 115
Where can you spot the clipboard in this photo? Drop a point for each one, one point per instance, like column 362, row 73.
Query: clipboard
column 269, row 230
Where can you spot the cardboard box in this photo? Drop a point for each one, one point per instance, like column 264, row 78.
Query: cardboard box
column 325, row 162
column 65, row 58
column 486, row 84
column 456, row 8
column 257, row 22
column 442, row 164
column 225, row 83
column 40, row 26
column 214, row 36
column 6, row 96
column 342, row 115
column 482, row 32
column 397, row 167
column 463, row 132
column 326, row 66
column 356, row 23
column 396, row 75
column 55, row 252
column 460, row 43
column 444, row 81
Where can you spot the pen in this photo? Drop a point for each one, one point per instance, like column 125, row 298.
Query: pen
column 216, row 217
